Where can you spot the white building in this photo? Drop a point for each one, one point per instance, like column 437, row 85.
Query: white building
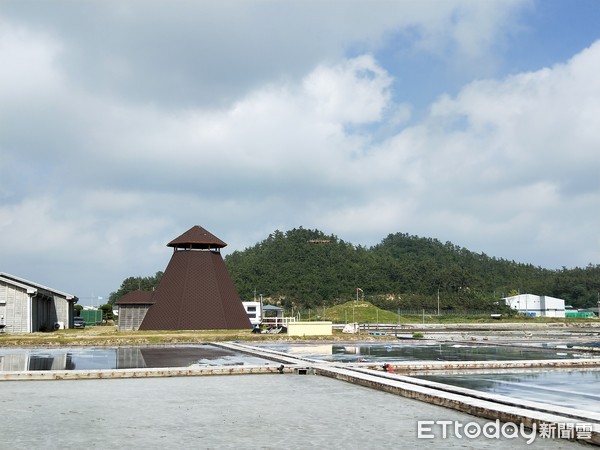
column 268, row 315
column 26, row 307
column 254, row 311
column 537, row 305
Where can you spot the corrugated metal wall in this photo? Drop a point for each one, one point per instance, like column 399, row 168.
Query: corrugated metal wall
column 131, row 316
column 14, row 307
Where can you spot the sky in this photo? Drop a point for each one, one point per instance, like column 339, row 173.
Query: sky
column 125, row 123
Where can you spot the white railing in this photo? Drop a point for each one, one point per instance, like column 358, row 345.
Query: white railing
column 277, row 321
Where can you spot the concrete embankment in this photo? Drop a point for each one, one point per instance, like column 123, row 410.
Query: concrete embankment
column 442, row 367
column 137, row 373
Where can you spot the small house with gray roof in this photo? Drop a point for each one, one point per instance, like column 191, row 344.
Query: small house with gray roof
column 133, row 307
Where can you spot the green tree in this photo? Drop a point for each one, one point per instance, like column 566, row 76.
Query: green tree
column 135, row 284
column 303, row 268
column 107, row 312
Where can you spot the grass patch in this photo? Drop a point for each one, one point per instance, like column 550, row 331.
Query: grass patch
column 364, row 312
column 361, row 312
column 109, row 336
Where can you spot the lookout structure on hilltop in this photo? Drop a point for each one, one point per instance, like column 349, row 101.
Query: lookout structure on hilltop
column 196, row 291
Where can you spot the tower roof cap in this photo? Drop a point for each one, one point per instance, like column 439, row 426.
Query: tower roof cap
column 197, row 237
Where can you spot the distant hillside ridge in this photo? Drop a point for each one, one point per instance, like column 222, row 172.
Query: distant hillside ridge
column 303, row 268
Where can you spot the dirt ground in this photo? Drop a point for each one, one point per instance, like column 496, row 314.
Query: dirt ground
column 497, row 332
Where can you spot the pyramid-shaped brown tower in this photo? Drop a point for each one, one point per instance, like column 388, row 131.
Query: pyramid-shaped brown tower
column 196, row 291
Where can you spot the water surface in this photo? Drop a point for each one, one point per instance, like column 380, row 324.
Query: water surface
column 571, row 388
column 368, row 352
column 90, row 358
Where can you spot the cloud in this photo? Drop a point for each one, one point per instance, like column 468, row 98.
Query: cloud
column 215, row 53
column 118, row 141
column 511, row 156
column 543, row 117
column 29, row 63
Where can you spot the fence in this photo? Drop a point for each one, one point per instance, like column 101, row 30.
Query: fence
column 91, row 316
column 434, row 312
column 277, row 321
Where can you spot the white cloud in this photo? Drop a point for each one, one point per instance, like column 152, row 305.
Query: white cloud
column 274, row 131
column 29, row 64
column 356, row 91
column 509, row 157
column 106, row 173
column 540, row 120
column 196, row 52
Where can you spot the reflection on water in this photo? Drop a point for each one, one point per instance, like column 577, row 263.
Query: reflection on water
column 119, row 358
column 571, row 388
column 573, row 345
column 421, row 352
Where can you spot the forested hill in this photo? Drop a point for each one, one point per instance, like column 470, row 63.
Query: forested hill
column 307, row 268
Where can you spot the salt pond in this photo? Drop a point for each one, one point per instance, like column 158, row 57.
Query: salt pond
column 387, row 352
column 90, row 358
column 246, row 411
column 573, row 388
column 570, row 388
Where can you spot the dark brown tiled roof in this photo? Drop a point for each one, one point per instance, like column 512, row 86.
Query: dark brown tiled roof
column 197, row 237
column 136, row 297
column 196, row 293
